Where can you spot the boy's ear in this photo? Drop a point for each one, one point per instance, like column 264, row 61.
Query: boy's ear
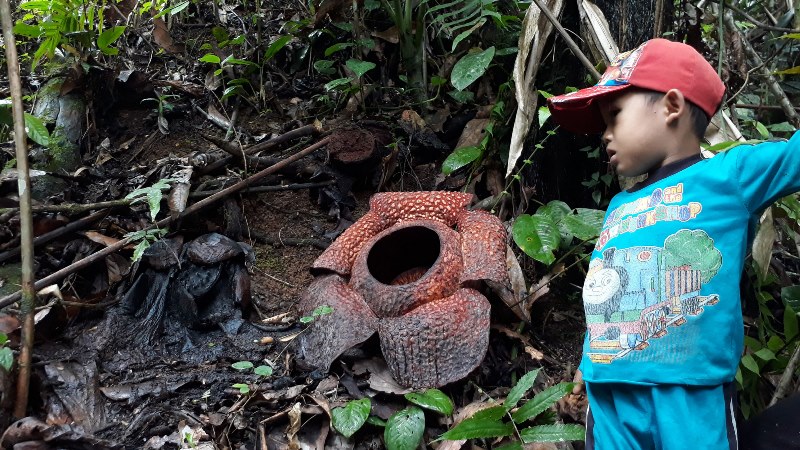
column 675, row 105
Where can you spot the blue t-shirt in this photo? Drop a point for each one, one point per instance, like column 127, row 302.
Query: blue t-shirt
column 662, row 292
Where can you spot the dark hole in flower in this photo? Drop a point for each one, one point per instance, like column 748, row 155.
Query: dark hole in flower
column 404, row 256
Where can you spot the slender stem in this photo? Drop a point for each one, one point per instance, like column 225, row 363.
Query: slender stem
column 570, row 43
column 26, row 217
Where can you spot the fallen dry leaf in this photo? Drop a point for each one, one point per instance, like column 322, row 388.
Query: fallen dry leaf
column 380, row 379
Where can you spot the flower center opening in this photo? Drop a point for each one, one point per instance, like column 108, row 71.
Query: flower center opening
column 404, row 256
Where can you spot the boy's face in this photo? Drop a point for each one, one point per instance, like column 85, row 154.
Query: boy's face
column 636, row 133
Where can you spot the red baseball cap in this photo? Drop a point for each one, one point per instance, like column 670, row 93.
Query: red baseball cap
column 658, row 65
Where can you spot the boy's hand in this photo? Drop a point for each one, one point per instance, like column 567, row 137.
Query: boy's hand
column 579, row 388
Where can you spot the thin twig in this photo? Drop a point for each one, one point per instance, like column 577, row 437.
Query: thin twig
column 282, row 241
column 755, row 21
column 769, row 79
column 56, row 276
column 261, row 189
column 47, row 237
column 786, row 378
column 26, row 217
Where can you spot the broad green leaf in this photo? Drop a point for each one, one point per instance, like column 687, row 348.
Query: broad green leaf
column 750, row 364
column 432, row 399
column 321, row 310
column 324, row 66
column 781, row 127
column 471, row 67
column 544, row 114
column 36, row 130
column 337, row 47
column 154, row 202
column 333, row 84
column 519, row 389
column 790, row 325
column 6, row 358
column 220, row 34
column 553, row 433
column 537, row 236
column 3, row 339
column 460, row 158
column 210, row 58
column 545, row 94
column 350, row 418
column 483, row 424
column 791, row 71
column 762, row 130
column 404, row 429
column 360, row 67
column 109, row 36
column 263, row 371
column 276, row 46
column 791, row 36
column 541, row 401
column 306, row 319
column 242, row 365
column 765, row 354
column 554, row 210
column 28, row 31
column 791, row 296
column 578, row 226
column 237, row 62
column 462, row 96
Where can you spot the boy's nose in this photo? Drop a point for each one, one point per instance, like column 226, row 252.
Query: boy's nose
column 606, row 136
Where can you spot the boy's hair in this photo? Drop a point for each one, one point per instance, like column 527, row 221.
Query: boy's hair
column 657, row 65
column 698, row 117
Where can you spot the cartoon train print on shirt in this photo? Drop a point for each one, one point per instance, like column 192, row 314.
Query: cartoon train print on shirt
column 633, row 295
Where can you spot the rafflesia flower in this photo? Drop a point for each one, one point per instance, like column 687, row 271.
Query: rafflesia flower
column 409, row 269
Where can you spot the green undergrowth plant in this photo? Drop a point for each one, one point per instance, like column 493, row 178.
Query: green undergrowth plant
column 76, row 27
column 152, row 195
column 34, row 127
column 262, row 371
column 6, row 356
column 528, row 423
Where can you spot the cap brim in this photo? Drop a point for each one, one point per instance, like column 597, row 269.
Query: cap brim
column 578, row 111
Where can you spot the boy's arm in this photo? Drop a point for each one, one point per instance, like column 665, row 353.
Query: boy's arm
column 768, row 171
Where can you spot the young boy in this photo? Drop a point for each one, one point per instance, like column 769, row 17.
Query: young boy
column 665, row 331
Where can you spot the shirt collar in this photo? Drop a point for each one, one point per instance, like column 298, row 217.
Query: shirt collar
column 667, row 170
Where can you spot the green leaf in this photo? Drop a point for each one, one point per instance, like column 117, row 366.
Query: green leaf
column 544, row 114
column 750, row 364
column 322, row 310
column 791, row 71
column 791, row 296
column 584, row 225
column 6, row 358
column 242, row 365
column 360, row 67
column 486, row 423
column 460, row 158
column 519, row 389
column 404, row 429
column 138, row 251
column 263, row 371
column 790, row 325
column 109, row 36
column 541, row 401
column 306, row 319
column 765, row 354
column 350, row 418
column 178, row 8
column 36, row 130
column 554, row 210
column 210, row 58
column 3, row 339
column 791, row 36
column 324, row 66
column 377, row 421
column 337, row 47
column 331, row 85
column 276, row 46
column 237, row 62
column 432, row 399
column 545, row 94
column 510, row 446
column 537, row 236
column 471, row 67
column 242, row 387
column 762, row 130
column 553, row 433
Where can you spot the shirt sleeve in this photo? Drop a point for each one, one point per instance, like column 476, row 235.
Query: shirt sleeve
column 768, row 171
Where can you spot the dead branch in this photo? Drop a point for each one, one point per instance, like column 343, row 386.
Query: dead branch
column 47, row 237
column 570, row 43
column 755, row 21
column 72, row 268
column 73, row 208
column 786, row 378
column 261, row 189
column 769, row 79
column 26, row 217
